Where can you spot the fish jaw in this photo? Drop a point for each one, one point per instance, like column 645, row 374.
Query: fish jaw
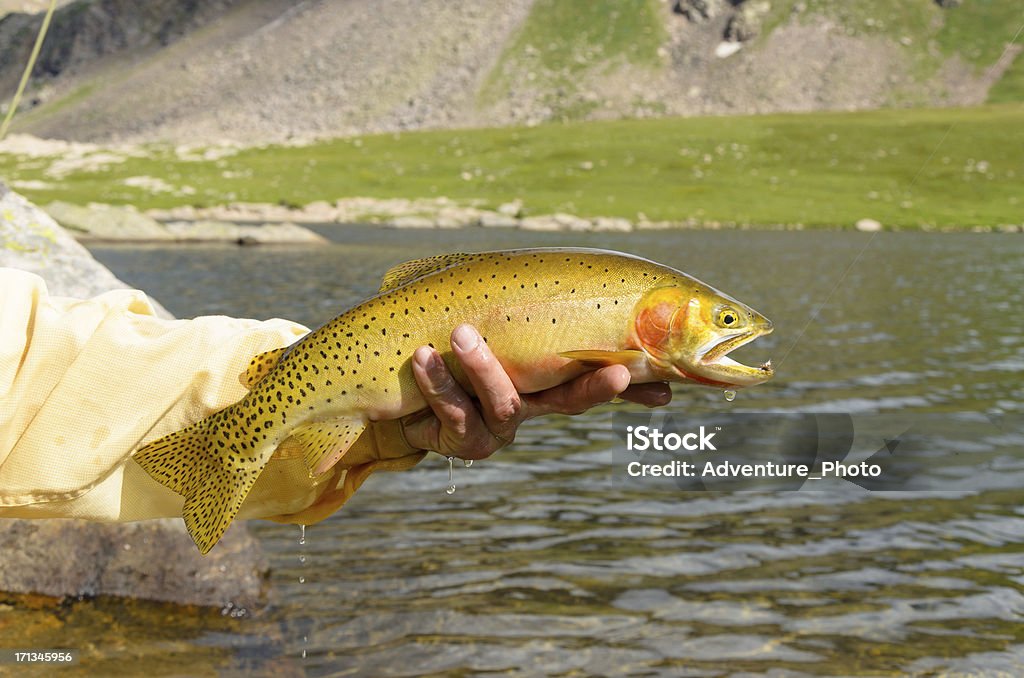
column 715, row 364
column 685, row 338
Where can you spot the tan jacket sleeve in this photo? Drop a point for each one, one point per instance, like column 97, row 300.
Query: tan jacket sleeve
column 83, row 384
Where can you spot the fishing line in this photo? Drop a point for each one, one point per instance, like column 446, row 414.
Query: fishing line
column 28, row 70
column 920, row 171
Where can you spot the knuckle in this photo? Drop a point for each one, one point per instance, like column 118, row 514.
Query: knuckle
column 505, row 438
column 508, row 410
column 458, row 426
column 442, row 385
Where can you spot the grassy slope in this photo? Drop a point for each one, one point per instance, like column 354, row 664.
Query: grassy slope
column 1011, row 86
column 949, row 167
column 562, row 41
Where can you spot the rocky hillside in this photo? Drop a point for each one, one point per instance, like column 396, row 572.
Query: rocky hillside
column 261, row 70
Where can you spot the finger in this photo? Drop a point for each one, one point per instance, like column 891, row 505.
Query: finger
column 446, row 399
column 652, row 395
column 422, row 430
column 500, row 403
column 580, row 394
column 459, row 431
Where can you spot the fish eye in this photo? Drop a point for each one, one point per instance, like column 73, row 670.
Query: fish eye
column 727, row 317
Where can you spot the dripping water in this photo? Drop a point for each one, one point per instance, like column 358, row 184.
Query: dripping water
column 302, row 578
column 451, row 476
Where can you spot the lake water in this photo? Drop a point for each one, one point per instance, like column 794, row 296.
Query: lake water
column 545, row 561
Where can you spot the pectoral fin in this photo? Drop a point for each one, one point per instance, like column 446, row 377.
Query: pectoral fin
column 324, row 443
column 603, row 358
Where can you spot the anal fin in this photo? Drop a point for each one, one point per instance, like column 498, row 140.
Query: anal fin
column 324, row 443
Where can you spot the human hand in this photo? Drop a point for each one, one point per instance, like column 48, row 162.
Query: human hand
column 457, row 426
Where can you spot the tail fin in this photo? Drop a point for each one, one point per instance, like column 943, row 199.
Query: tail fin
column 213, row 478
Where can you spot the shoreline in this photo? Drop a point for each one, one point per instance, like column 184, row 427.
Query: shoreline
column 445, row 213
column 248, row 224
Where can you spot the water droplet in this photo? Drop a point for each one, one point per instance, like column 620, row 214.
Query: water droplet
column 302, row 559
column 467, row 462
column 730, row 396
column 451, row 476
column 302, row 580
column 302, row 535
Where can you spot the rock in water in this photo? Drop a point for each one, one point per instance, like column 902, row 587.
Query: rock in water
column 153, row 560
column 868, row 226
column 107, row 222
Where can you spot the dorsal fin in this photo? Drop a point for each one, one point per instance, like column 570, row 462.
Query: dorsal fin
column 260, row 366
column 397, row 276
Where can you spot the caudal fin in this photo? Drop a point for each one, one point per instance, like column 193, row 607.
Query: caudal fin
column 213, row 478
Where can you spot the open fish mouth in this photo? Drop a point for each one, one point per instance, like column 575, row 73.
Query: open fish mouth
column 716, row 355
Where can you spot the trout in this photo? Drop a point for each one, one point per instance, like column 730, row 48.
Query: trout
column 548, row 315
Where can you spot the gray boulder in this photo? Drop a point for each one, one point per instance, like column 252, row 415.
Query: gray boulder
column 746, row 23
column 224, row 231
column 413, row 221
column 156, row 559
column 498, row 220
column 107, row 222
column 202, row 231
column 571, row 222
column 511, row 209
column 285, row 233
column 540, row 223
column 698, row 11
column 32, row 241
column 615, row 224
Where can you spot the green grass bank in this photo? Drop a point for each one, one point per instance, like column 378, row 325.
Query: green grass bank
column 906, row 168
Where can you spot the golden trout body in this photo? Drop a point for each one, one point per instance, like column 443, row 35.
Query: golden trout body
column 547, row 314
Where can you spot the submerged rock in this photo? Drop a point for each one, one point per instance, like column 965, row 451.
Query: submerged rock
column 154, row 559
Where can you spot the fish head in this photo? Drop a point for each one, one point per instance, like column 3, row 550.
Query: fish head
column 688, row 330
